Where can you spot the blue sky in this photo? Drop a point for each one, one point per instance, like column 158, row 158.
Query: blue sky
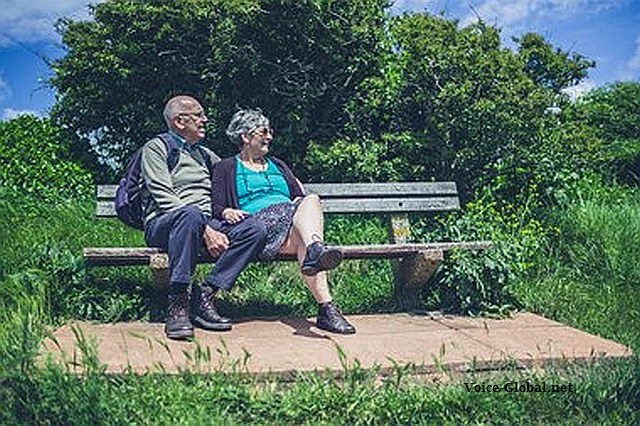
column 607, row 31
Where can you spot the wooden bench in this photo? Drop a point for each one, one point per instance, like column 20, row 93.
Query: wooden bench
column 414, row 263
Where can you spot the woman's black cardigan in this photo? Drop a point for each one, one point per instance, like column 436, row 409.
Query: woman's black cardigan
column 225, row 192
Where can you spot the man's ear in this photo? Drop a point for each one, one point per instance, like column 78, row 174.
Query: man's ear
column 245, row 138
column 177, row 122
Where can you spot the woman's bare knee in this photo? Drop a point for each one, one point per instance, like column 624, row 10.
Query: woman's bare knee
column 312, row 199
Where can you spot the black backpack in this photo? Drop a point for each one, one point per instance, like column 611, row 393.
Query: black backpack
column 128, row 199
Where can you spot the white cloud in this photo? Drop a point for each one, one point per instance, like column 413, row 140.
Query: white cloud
column 5, row 89
column 506, row 13
column 579, row 90
column 10, row 113
column 33, row 20
column 634, row 62
column 413, row 5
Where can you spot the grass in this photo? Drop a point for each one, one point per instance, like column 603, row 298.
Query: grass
column 604, row 394
column 589, row 280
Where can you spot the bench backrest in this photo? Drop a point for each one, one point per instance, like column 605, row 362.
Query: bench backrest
column 396, row 199
column 393, row 197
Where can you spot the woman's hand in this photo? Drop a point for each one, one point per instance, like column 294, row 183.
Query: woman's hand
column 234, row 215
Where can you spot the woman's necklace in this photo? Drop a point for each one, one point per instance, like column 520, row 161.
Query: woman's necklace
column 259, row 165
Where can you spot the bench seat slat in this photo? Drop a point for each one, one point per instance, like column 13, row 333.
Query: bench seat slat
column 132, row 256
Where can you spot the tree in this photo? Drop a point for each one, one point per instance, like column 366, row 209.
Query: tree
column 450, row 103
column 549, row 67
column 612, row 112
column 300, row 61
column 122, row 66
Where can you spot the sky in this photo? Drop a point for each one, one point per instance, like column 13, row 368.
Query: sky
column 606, row 31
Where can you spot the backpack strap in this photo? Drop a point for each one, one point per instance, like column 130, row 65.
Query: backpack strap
column 173, row 152
column 207, row 160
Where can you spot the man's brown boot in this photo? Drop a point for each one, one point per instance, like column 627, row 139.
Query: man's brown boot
column 203, row 310
column 178, row 326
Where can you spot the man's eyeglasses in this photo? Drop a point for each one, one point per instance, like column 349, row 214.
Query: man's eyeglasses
column 262, row 131
column 195, row 115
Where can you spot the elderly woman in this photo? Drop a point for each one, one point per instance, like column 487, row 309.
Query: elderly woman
column 252, row 183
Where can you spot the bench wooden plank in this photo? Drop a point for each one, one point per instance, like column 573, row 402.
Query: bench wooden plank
column 132, row 256
column 389, row 205
column 390, row 197
column 352, row 205
column 350, row 190
column 387, row 189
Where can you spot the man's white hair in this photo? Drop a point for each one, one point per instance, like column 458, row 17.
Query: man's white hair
column 176, row 106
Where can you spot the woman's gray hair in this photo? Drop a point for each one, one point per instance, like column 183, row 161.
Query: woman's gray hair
column 243, row 122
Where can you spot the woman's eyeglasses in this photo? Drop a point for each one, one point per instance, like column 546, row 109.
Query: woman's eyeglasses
column 262, row 131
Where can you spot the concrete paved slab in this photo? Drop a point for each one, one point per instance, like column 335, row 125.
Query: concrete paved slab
column 288, row 345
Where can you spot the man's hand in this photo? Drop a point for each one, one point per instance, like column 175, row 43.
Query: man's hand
column 215, row 241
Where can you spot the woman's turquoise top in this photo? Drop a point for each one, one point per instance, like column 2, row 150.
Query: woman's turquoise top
column 257, row 190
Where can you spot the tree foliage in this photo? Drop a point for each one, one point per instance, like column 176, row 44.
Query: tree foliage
column 549, row 67
column 35, row 161
column 299, row 61
column 354, row 93
column 612, row 113
column 450, row 103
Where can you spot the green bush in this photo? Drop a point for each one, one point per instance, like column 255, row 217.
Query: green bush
column 612, row 112
column 478, row 282
column 48, row 239
column 35, row 160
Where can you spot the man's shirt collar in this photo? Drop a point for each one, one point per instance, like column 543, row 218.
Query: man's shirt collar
column 182, row 142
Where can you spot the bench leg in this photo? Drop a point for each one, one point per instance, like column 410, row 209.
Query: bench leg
column 159, row 264
column 411, row 275
column 159, row 267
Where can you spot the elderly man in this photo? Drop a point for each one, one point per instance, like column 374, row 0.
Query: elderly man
column 177, row 207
